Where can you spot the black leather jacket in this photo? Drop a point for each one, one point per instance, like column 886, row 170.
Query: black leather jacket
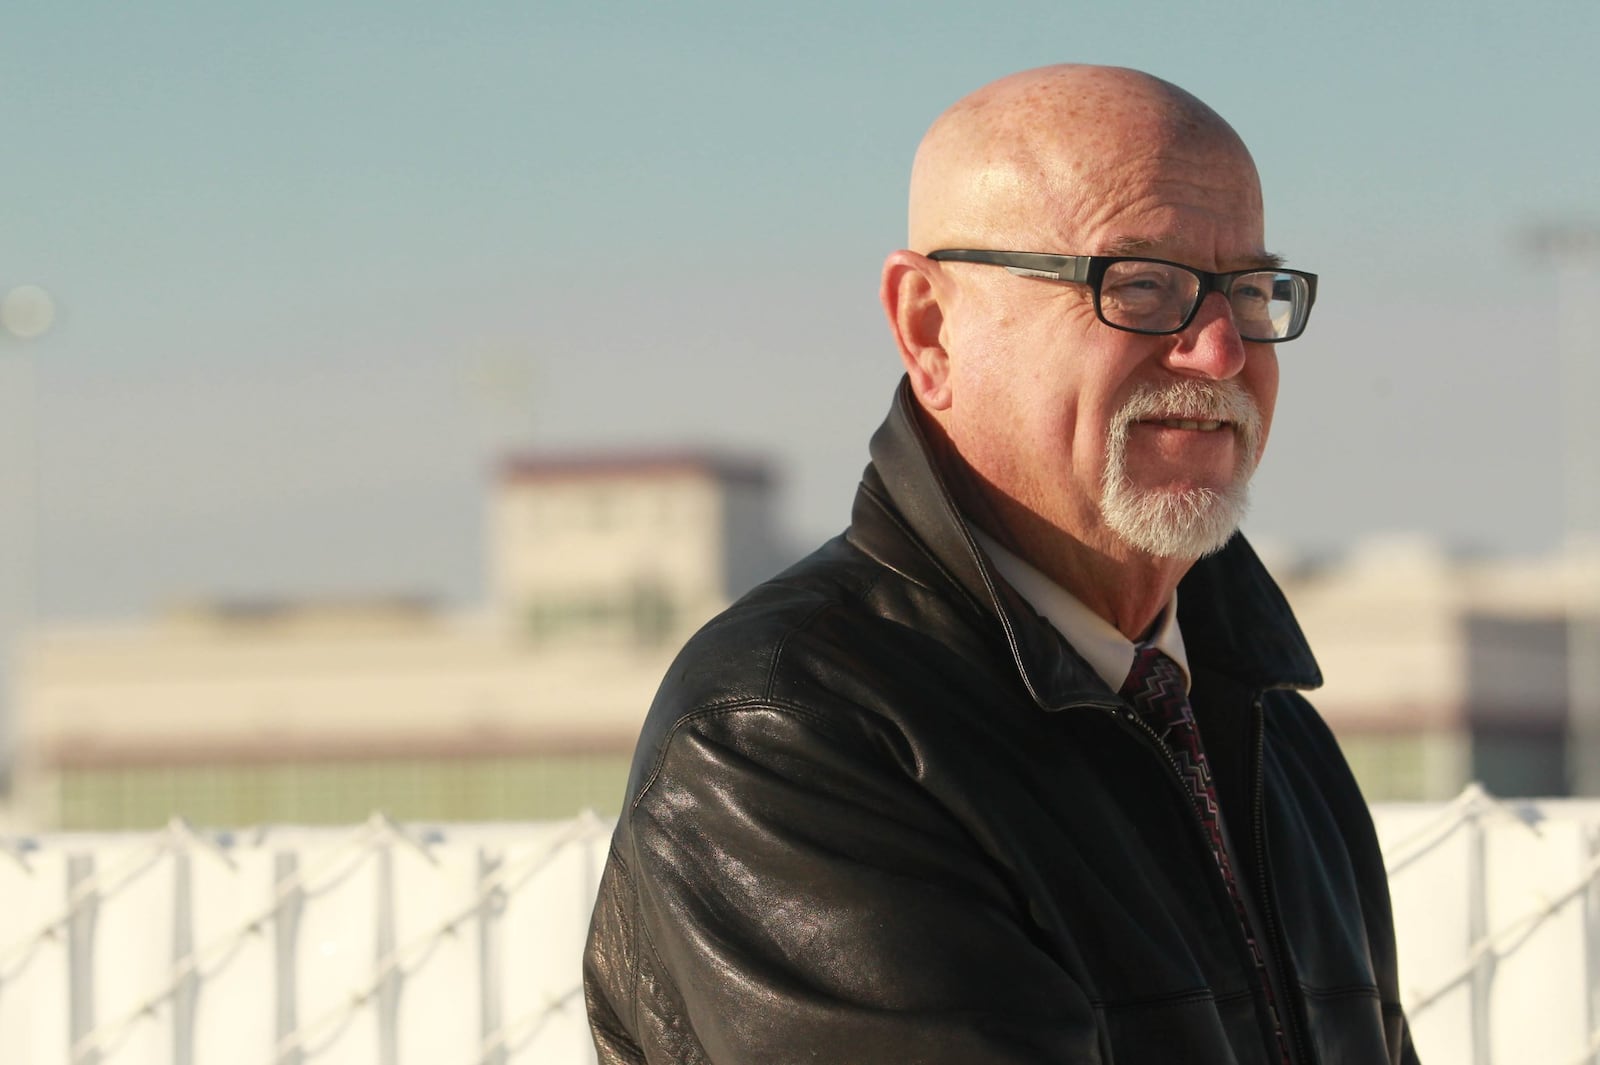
column 882, row 813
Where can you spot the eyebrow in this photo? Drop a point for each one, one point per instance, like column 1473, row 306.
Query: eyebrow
column 1264, row 260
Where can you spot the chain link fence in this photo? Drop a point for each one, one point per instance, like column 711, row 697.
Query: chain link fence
column 1497, row 907
column 380, row 943
column 386, row 943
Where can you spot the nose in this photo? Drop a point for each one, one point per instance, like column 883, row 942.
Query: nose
column 1210, row 346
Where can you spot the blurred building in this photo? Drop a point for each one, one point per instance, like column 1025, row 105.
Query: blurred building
column 243, row 712
column 1441, row 670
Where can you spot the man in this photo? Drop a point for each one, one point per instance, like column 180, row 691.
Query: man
column 1015, row 770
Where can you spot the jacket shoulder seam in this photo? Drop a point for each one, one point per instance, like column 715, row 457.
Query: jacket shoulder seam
column 734, row 706
column 783, row 644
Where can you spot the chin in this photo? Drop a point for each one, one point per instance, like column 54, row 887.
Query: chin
column 1181, row 522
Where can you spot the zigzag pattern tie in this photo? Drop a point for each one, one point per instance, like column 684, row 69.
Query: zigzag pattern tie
column 1156, row 688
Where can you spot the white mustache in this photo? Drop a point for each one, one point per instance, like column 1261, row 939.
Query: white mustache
column 1194, row 399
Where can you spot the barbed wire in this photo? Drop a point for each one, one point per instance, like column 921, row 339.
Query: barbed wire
column 393, row 964
column 1520, row 929
column 1469, row 809
column 516, row 1035
column 1474, row 804
column 356, row 847
column 346, row 855
column 17, row 850
column 130, row 869
column 378, row 831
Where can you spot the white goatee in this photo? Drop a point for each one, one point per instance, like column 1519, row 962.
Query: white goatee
column 1190, row 522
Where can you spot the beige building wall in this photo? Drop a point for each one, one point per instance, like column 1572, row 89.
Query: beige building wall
column 626, row 550
column 1439, row 671
column 525, row 708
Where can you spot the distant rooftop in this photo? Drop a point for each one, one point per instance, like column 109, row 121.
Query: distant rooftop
column 269, row 614
column 723, row 466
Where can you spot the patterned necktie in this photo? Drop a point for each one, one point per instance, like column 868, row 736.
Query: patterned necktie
column 1156, row 688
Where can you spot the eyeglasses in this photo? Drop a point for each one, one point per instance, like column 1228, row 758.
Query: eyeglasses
column 1158, row 298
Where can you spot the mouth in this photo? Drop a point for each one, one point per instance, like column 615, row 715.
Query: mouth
column 1191, row 424
column 1187, row 423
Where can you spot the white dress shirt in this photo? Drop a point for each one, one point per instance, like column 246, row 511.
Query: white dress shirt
column 1105, row 649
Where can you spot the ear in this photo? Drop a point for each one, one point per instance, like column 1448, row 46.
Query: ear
column 909, row 294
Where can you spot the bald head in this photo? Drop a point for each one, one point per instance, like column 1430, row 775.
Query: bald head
column 1025, row 161
column 1077, row 442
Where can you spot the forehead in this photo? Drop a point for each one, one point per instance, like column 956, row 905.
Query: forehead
column 1201, row 207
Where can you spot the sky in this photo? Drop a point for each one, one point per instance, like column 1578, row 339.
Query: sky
column 317, row 264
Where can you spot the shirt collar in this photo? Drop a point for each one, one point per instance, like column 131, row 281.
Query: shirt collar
column 1108, row 652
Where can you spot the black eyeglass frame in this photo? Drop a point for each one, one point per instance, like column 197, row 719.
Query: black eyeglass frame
column 1091, row 270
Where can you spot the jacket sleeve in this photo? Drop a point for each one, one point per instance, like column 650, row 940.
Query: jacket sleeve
column 778, row 892
column 1408, row 1053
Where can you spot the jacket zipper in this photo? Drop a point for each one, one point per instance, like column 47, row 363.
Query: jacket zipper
column 1291, row 1008
column 1292, row 1029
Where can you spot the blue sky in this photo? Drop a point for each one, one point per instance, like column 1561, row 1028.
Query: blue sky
column 317, row 263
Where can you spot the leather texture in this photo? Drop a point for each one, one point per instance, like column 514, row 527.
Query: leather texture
column 881, row 813
column 1158, row 690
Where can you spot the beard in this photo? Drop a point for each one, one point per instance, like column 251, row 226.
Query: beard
column 1187, row 522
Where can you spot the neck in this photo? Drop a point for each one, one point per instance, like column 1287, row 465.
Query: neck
column 1127, row 588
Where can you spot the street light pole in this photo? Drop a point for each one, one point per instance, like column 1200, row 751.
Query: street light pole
column 26, row 313
column 1574, row 251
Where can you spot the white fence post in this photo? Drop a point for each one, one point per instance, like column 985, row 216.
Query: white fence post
column 82, row 907
column 1478, row 935
column 491, row 1004
column 386, row 960
column 183, row 958
column 1591, row 940
column 288, row 897
column 385, row 945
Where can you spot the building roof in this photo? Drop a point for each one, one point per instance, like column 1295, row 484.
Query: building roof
column 583, row 466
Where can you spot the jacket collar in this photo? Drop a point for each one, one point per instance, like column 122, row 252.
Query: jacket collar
column 1234, row 618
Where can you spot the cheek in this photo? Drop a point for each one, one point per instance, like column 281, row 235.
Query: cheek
column 1104, row 380
column 1262, row 381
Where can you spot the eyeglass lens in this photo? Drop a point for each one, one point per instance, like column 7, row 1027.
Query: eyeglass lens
column 1157, row 298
